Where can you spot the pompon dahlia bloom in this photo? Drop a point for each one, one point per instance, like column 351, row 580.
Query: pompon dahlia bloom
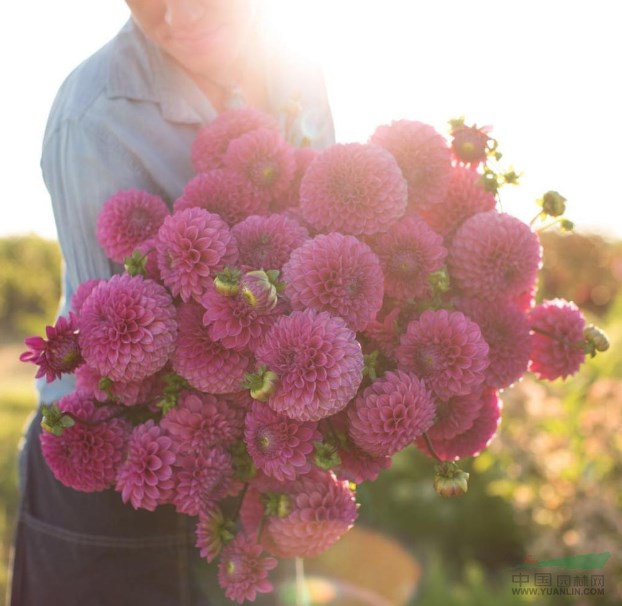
column 353, row 188
column 280, row 447
column 243, row 569
column 202, row 420
column 127, row 328
column 265, row 160
column 423, row 156
column 471, row 442
column 235, row 324
column 86, row 455
column 505, row 328
column 494, row 255
column 409, row 252
column 193, row 245
column 80, row 294
column 206, row 364
column 145, row 478
column 455, row 416
column 202, row 478
column 318, row 361
column 210, row 145
column 338, row 274
column 266, row 242
column 556, row 339
column 446, row 350
column 465, row 197
column 128, row 218
column 223, row 192
column 390, row 413
column 59, row 354
column 385, row 332
column 213, row 532
column 303, row 157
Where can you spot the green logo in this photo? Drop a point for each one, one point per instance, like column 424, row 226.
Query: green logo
column 588, row 561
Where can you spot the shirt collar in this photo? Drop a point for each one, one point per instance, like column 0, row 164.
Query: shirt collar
column 139, row 70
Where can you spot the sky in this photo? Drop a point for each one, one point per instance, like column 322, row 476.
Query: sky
column 544, row 74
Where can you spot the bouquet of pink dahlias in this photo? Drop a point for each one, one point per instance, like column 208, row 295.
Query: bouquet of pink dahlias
column 293, row 321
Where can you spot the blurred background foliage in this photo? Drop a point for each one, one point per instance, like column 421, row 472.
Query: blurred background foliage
column 547, row 487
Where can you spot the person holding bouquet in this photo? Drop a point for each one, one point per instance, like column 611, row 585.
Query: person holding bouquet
column 124, row 119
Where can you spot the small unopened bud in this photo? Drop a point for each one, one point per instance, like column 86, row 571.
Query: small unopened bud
column 566, row 225
column 226, row 282
column 450, row 480
column 261, row 384
column 595, row 339
column 439, row 280
column 326, row 456
column 553, row 204
column 136, row 264
column 243, row 466
column 54, row 420
column 276, row 504
column 258, row 290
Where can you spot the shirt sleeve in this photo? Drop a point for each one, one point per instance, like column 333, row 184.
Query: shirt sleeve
column 83, row 165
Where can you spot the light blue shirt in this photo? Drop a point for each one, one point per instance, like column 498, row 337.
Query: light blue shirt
column 126, row 118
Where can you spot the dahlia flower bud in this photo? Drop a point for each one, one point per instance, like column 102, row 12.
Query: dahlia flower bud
column 595, row 339
column 450, row 480
column 326, row 455
column 136, row 264
column 553, row 204
column 277, row 504
column 54, row 420
column 261, row 384
column 227, row 281
column 259, row 290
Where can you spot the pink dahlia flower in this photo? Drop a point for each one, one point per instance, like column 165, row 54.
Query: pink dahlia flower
column 390, row 413
column 409, row 252
column 280, row 447
column 446, row 350
column 202, row 478
column 470, row 144
column 145, row 479
column 556, row 339
column 466, row 197
column 385, row 332
column 265, row 160
column 321, row 510
column 223, row 192
column 81, row 293
column 148, row 254
column 213, row 532
column 201, row 421
column 318, row 361
column 87, row 455
column 266, row 242
column 455, row 416
column 243, row 569
column 353, row 188
column 338, row 274
column 505, row 328
column 128, row 218
column 303, row 157
column 59, row 354
column 206, row 364
column 233, row 323
column 128, row 328
column 494, row 255
column 212, row 141
column 193, row 246
column 471, row 442
column 423, row 156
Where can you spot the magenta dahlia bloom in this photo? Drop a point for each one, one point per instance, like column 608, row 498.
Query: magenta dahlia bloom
column 505, row 328
column 223, row 192
column 423, row 156
column 233, row 323
column 321, row 509
column 145, row 478
column 201, row 421
column 128, row 328
column 212, row 141
column 455, row 416
column 59, row 354
column 556, row 339
column 206, row 364
column 213, row 532
column 353, row 188
column 338, row 274
column 390, row 413
column 193, row 246
column 385, row 332
column 128, row 218
column 471, row 442
column 202, row 478
column 446, row 350
column 409, row 252
column 318, row 361
column 303, row 157
column 86, row 455
column 280, row 447
column 465, row 197
column 494, row 255
column 243, row 569
column 265, row 160
column 469, row 144
column 81, row 293
column 266, row 242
